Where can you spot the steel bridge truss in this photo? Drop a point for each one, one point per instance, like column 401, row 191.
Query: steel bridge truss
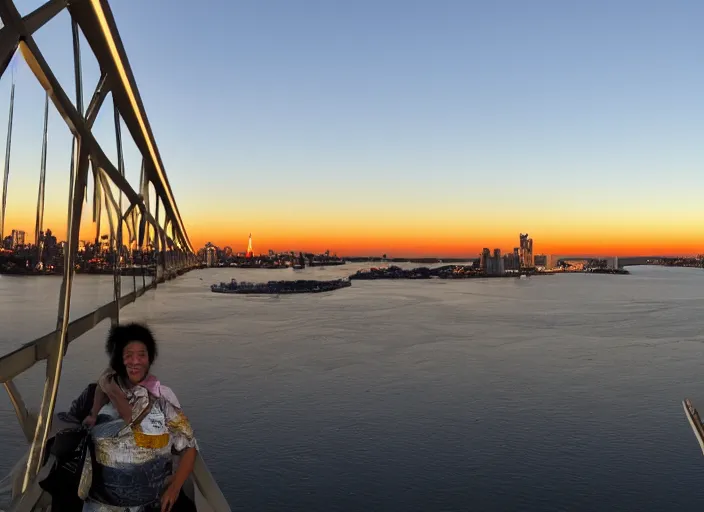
column 171, row 244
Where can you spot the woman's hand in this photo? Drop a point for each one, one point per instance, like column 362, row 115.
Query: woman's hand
column 168, row 499
column 89, row 420
column 185, row 468
column 111, row 388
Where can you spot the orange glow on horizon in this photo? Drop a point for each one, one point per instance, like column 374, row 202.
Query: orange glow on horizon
column 454, row 237
column 438, row 247
column 345, row 237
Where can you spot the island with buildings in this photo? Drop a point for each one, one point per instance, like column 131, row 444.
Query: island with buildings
column 520, row 261
column 281, row 287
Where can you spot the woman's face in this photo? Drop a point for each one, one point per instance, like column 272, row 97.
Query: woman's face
column 136, row 359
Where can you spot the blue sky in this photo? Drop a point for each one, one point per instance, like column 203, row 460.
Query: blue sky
column 459, row 106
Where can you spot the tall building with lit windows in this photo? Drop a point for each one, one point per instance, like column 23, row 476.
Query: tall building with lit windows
column 484, row 258
column 492, row 265
column 526, row 250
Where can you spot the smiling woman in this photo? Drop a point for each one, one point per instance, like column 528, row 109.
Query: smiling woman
column 133, row 468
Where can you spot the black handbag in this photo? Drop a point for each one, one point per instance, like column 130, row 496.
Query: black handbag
column 81, row 406
column 69, row 447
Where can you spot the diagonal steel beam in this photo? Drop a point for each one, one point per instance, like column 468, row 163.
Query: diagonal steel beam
column 28, row 421
column 42, row 15
column 76, row 124
column 101, row 92
column 110, row 202
column 55, row 360
column 9, row 39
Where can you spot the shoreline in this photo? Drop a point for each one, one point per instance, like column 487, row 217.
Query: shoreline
column 464, row 272
column 393, row 272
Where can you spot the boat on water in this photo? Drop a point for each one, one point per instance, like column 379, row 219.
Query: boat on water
column 280, row 287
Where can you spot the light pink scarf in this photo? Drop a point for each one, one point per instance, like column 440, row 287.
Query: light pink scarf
column 153, row 385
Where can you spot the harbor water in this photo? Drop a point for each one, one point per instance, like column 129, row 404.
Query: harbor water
column 548, row 393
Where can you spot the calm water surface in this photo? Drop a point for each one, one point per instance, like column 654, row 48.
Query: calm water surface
column 550, row 393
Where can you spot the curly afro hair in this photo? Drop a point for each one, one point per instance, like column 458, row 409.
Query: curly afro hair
column 120, row 336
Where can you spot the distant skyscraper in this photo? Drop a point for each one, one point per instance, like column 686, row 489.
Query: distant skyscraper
column 552, row 260
column 210, row 256
column 512, row 260
column 484, row 259
column 250, row 252
column 493, row 265
column 17, row 238
column 49, row 239
column 526, row 250
column 498, row 268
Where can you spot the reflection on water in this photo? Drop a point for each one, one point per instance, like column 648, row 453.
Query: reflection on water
column 549, row 393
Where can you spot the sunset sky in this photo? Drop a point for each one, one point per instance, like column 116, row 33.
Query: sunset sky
column 404, row 127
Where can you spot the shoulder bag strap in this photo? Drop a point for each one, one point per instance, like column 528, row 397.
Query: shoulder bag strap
column 147, row 410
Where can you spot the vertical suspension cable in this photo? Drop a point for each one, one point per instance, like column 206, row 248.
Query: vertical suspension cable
column 8, row 146
column 79, row 106
column 39, row 224
column 97, row 205
column 144, row 190
column 117, row 275
column 157, row 242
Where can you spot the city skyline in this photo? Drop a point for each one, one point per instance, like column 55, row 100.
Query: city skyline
column 406, row 133
column 505, row 247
